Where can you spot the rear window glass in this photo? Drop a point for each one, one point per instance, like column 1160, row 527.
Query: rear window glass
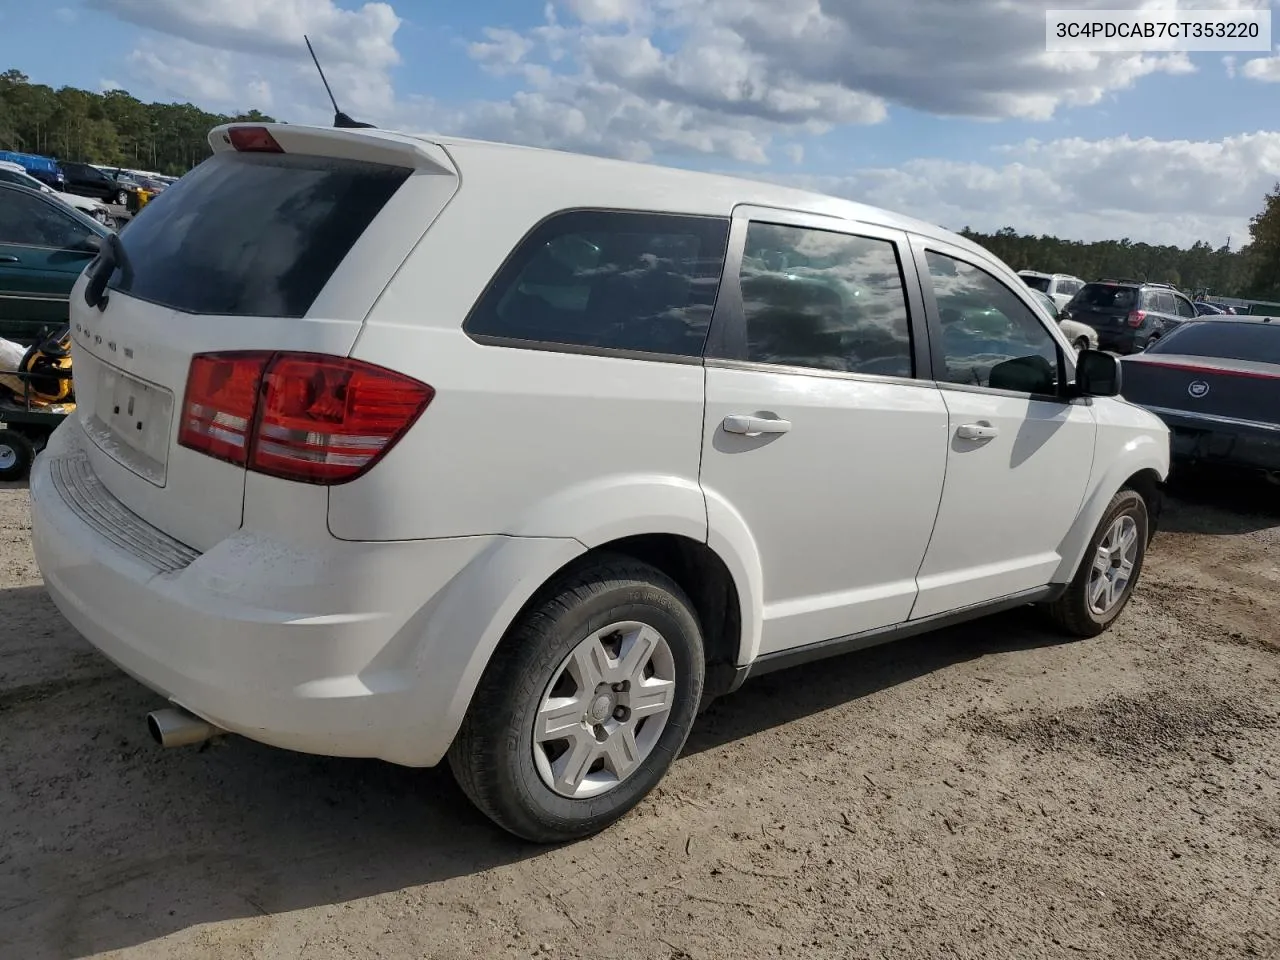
column 1036, row 283
column 253, row 235
column 1223, row 339
column 1106, row 295
column 614, row 280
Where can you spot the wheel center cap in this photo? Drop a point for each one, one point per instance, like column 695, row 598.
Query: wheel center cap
column 601, row 708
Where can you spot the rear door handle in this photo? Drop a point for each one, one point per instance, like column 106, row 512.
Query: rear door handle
column 754, row 426
column 977, row 431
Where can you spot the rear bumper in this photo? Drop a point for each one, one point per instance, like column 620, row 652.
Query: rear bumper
column 1214, row 439
column 327, row 647
column 1121, row 341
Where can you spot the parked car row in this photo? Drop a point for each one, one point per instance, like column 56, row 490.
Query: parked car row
column 108, row 185
column 1125, row 316
column 13, row 173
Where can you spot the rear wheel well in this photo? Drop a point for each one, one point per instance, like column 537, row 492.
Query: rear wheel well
column 704, row 578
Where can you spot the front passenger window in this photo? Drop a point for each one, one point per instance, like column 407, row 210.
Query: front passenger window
column 990, row 338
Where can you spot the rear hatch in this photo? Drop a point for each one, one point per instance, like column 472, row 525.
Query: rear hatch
column 1205, row 386
column 282, row 241
column 1104, row 306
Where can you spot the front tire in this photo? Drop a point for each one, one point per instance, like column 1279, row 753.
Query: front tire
column 1109, row 570
column 122, row 198
column 585, row 704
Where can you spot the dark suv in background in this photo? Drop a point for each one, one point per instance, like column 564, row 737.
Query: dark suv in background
column 1129, row 314
column 89, row 181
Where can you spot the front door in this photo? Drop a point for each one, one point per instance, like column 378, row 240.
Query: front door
column 818, row 436
column 1019, row 456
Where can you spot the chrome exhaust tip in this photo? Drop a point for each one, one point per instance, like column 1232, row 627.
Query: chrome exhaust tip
column 175, row 727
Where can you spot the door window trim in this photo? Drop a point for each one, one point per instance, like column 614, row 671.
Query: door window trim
column 920, row 245
column 726, row 341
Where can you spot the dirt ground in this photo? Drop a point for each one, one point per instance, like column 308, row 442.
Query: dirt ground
column 987, row 792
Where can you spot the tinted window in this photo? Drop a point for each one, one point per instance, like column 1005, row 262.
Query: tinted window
column 832, row 301
column 253, row 234
column 1036, row 283
column 27, row 220
column 990, row 338
column 1184, row 307
column 1162, row 301
column 1224, row 339
column 1106, row 296
column 608, row 279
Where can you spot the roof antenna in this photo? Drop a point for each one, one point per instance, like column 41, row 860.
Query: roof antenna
column 340, row 119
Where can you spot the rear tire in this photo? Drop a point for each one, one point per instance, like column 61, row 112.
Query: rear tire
column 1101, row 587
column 547, row 677
column 122, row 198
column 16, row 454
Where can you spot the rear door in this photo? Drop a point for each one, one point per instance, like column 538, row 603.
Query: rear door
column 823, row 432
column 250, row 251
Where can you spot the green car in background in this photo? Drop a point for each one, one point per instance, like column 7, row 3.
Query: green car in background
column 44, row 246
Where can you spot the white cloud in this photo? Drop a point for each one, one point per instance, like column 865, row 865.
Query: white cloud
column 1266, row 69
column 66, row 15
column 1172, row 191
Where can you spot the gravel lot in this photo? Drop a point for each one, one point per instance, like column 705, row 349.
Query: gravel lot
column 987, row 792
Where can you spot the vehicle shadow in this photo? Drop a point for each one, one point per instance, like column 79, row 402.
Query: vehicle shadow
column 112, row 842
column 13, row 484
column 771, row 700
column 1219, row 501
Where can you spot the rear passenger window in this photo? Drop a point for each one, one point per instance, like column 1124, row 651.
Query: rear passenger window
column 613, row 280
column 832, row 301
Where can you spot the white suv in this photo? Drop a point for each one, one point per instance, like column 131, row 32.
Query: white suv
column 1058, row 287
column 410, row 448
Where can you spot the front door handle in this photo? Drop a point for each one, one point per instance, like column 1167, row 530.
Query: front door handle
column 977, row 431
column 6, row 258
column 754, row 426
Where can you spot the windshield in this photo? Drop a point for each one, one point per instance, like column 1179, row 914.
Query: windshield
column 1036, row 283
column 1106, row 296
column 253, row 235
column 1223, row 339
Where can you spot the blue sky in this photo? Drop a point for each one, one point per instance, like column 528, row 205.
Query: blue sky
column 946, row 109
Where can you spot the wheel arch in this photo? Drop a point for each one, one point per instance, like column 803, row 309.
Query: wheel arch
column 1143, row 470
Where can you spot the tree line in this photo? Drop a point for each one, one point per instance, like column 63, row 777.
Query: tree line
column 1247, row 272
column 106, row 128
column 117, row 128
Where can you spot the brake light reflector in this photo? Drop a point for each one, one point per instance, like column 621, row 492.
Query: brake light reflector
column 220, row 404
column 1203, row 369
column 327, row 419
column 1136, row 317
column 254, row 140
column 297, row 416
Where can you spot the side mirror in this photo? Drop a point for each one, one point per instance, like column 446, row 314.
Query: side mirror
column 90, row 244
column 1097, row 374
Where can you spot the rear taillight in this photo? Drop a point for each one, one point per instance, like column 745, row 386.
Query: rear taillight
column 298, row 416
column 220, row 404
column 253, row 140
column 1203, row 369
column 1136, row 317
